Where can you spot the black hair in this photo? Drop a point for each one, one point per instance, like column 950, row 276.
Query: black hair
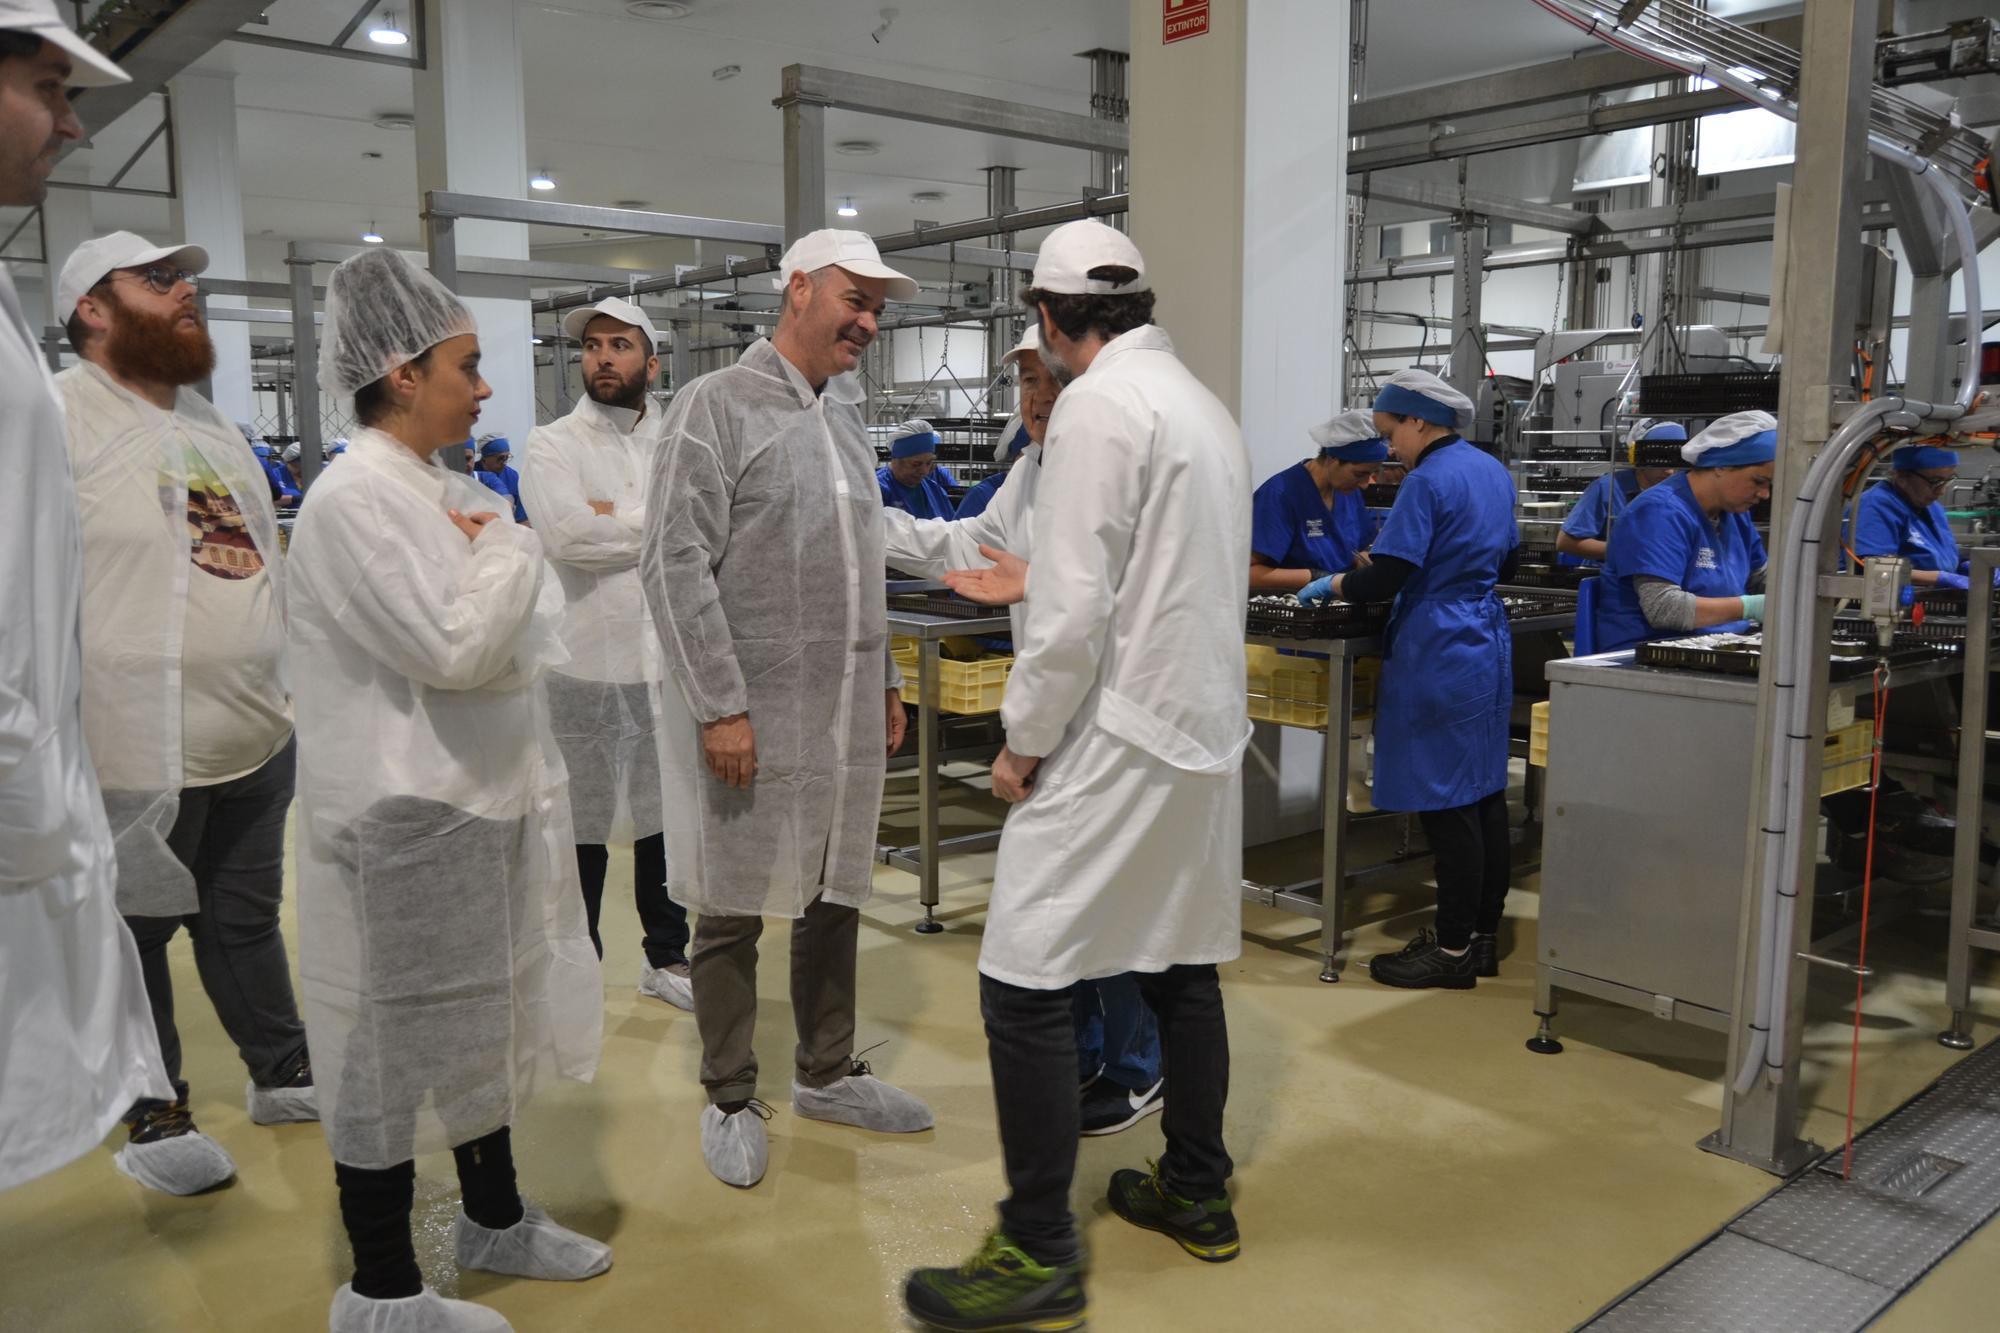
column 371, row 401
column 1079, row 315
column 15, row 44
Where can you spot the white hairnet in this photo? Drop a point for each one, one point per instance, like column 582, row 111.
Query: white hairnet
column 1007, row 431
column 382, row 311
column 1733, row 441
column 1395, row 394
column 1349, row 427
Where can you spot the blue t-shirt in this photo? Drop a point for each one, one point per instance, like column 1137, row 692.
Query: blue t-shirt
column 1885, row 523
column 1665, row 535
column 927, row 499
column 973, row 503
column 1292, row 528
column 505, row 483
column 1604, row 499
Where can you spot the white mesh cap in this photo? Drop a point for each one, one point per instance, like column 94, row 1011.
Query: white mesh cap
column 1071, row 251
column 382, row 311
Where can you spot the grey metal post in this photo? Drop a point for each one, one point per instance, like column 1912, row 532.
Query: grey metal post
column 999, row 337
column 1761, row 1126
column 1109, row 76
column 279, row 393
column 805, row 167
column 681, row 359
column 1972, row 739
column 1468, row 280
column 305, row 371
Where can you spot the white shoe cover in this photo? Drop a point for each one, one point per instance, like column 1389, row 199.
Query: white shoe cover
column 281, row 1106
column 533, row 1247
column 735, row 1146
column 187, row 1164
column 864, row 1101
column 664, row 983
column 424, row 1313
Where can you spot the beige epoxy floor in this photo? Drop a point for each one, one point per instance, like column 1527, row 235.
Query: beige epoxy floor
column 1402, row 1162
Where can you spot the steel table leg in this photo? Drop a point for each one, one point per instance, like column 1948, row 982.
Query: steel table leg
column 1971, row 793
column 1333, row 840
column 927, row 783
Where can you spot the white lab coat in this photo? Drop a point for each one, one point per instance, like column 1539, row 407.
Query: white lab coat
column 930, row 546
column 130, row 460
column 445, row 968
column 600, row 704
column 1128, row 680
column 76, row 1037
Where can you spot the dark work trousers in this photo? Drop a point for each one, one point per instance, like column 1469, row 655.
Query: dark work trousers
column 724, row 972
column 231, row 837
column 664, row 920
column 375, row 1208
column 1474, row 861
column 1031, row 1043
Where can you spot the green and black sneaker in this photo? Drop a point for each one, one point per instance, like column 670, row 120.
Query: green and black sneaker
column 998, row 1288
column 1205, row 1229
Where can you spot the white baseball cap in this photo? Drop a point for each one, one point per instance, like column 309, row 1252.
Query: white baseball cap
column 852, row 250
column 121, row 249
column 577, row 320
column 1031, row 341
column 1073, row 249
column 91, row 68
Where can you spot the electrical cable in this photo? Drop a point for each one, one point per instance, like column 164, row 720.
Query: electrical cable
column 1867, row 899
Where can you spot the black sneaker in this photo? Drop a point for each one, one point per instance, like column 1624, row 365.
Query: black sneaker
column 1422, row 965
column 1485, row 955
column 1205, row 1228
column 998, row 1288
column 1109, row 1106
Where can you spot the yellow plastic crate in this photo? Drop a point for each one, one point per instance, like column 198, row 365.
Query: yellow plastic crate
column 1538, row 735
column 966, row 688
column 1850, row 758
column 1292, row 690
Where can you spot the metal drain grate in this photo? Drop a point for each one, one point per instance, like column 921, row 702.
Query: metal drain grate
column 1821, row 1255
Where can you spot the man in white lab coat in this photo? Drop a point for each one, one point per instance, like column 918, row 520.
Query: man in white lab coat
column 76, row 1040
column 585, row 483
column 1125, row 734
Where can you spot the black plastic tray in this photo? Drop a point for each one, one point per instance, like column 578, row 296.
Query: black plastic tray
column 1676, row 656
column 1336, row 620
column 943, row 604
column 1550, row 576
column 1712, row 394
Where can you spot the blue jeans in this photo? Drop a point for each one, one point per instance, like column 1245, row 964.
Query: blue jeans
column 1117, row 1036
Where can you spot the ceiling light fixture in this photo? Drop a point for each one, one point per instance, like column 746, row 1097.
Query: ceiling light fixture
column 636, row 205
column 371, row 236
column 386, row 33
column 541, row 180
column 657, row 9
column 724, row 73
column 889, row 16
column 395, row 120
column 857, row 147
column 847, row 209
column 927, row 197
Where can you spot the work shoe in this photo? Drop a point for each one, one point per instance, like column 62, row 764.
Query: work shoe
column 293, row 1102
column 1109, row 1106
column 167, row 1153
column 1205, row 1229
column 533, row 1247
column 671, row 983
column 1485, row 955
column 864, row 1101
column 734, row 1143
column 427, row 1312
column 1000, row 1287
column 1423, row 964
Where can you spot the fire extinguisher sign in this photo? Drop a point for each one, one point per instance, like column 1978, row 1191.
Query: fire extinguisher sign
column 1183, row 19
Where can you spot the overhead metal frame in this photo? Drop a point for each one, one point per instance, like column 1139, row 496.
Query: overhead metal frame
column 154, row 54
column 814, row 85
column 418, row 58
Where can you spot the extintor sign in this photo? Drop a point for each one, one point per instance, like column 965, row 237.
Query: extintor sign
column 1183, row 19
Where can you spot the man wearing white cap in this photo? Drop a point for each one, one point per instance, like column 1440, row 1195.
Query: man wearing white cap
column 184, row 698
column 763, row 566
column 75, row 1020
column 585, row 482
column 1125, row 734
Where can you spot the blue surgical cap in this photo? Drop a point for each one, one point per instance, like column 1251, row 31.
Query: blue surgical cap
column 910, row 446
column 1920, row 457
column 1420, row 394
column 1360, row 451
column 497, row 445
column 1741, row 439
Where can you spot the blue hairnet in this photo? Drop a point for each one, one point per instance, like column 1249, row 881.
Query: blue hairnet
column 1918, row 457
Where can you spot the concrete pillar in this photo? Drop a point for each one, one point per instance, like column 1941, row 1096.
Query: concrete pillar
column 472, row 137
column 209, row 213
column 66, row 224
column 1239, row 192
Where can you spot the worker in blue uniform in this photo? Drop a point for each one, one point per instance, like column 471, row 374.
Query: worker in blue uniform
column 1686, row 556
column 1588, row 527
column 1447, row 671
column 495, row 474
column 1905, row 516
column 909, row 479
column 1310, row 520
column 973, row 503
column 284, row 487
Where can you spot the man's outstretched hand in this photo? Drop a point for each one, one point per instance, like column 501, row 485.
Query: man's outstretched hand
column 1002, row 585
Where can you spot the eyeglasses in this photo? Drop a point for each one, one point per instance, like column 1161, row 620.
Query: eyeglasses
column 159, row 277
column 1936, row 482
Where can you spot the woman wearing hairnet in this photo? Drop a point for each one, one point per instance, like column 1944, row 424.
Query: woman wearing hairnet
column 1310, row 520
column 911, row 480
column 444, row 963
column 1447, row 672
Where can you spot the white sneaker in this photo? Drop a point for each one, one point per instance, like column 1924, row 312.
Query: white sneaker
column 672, row 984
column 864, row 1101
column 182, row 1163
column 427, row 1312
column 282, row 1106
column 533, row 1247
column 736, row 1147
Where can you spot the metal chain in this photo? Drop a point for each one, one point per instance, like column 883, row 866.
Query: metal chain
column 1562, row 270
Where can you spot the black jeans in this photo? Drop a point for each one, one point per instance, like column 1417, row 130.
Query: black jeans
column 375, row 1208
column 1474, row 861
column 1031, row 1042
column 664, row 920
column 231, row 837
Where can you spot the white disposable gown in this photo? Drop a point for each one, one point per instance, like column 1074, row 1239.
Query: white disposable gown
column 600, row 701
column 445, row 968
column 76, row 1039
column 1128, row 679
column 130, row 461
column 930, row 546
column 763, row 566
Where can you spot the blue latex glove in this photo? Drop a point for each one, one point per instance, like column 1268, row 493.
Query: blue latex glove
column 1959, row 582
column 1318, row 592
column 1753, row 606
